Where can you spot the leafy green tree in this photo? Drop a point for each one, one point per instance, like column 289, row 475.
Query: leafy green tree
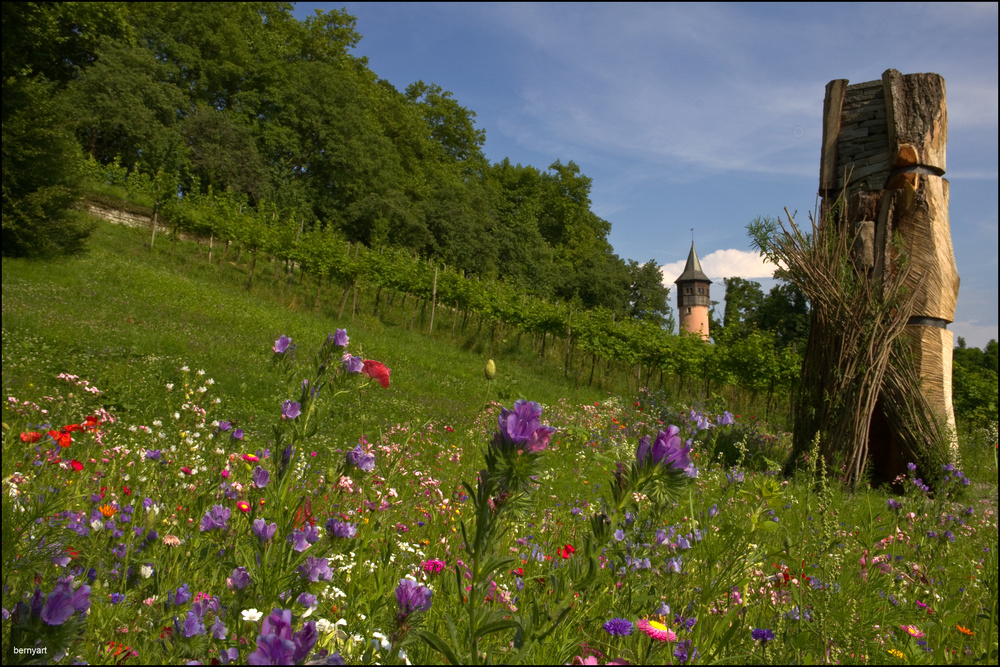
column 452, row 125
column 42, row 171
column 223, row 152
column 649, row 298
column 785, row 313
column 974, row 382
column 744, row 299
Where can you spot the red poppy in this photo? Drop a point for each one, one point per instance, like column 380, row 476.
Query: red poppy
column 92, row 422
column 62, row 437
column 76, row 465
column 567, row 551
column 518, row 572
column 126, row 490
column 31, row 437
column 72, row 428
column 376, row 370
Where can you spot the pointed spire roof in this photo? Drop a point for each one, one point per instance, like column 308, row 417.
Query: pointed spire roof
column 692, row 270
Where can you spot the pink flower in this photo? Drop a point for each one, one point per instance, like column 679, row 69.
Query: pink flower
column 912, row 631
column 657, row 631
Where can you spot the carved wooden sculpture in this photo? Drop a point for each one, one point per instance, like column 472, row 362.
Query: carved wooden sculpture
column 884, row 149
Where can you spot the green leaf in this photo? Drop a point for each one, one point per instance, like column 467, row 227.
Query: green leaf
column 438, row 645
column 496, row 626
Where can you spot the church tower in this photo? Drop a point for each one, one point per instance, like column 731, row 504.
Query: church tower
column 693, row 300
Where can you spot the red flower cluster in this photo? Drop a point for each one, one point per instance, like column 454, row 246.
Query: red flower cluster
column 376, row 370
column 567, row 551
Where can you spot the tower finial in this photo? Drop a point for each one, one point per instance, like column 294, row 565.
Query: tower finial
column 692, row 236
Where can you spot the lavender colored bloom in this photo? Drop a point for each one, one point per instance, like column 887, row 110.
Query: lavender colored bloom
column 894, row 504
column 713, row 511
column 61, row 560
column 684, row 652
column 666, row 450
column 683, row 543
column 911, row 467
column 215, row 517
column 62, row 602
column 663, row 609
column 762, row 635
column 117, row 598
column 619, row 535
column 795, row 614
column 306, row 600
column 353, row 364
column 298, row 540
column 661, row 537
column 281, row 345
column 182, row 596
column 194, row 624
column 725, row 419
column 736, row 476
column 315, row 569
column 225, row 426
column 341, row 528
column 263, row 530
column 272, row 650
column 219, row 629
column 341, row 339
column 358, row 458
column 674, row 565
column 702, row 423
column 412, row 597
column 521, row 428
column 153, row 454
column 237, row 434
column 618, row 627
column 228, row 655
column 240, row 578
column 261, row 477
column 290, row 409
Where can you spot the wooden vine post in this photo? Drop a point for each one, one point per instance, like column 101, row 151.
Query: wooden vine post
column 884, row 151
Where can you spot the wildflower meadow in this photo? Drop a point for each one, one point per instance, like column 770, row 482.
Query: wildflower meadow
column 164, row 519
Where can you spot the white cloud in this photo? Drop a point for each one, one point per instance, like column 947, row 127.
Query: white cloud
column 975, row 334
column 729, row 263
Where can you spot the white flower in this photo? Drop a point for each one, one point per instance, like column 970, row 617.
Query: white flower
column 157, row 423
column 382, row 640
column 146, row 571
column 96, row 524
column 170, row 386
column 252, row 615
column 185, row 368
column 177, row 415
column 200, row 372
column 323, row 626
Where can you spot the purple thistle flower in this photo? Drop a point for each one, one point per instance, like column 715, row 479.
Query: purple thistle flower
column 290, row 409
column 240, row 578
column 315, row 569
column 618, row 627
column 521, row 428
column 263, row 530
column 762, row 635
column 215, row 517
column 358, row 458
column 412, row 597
column 341, row 528
column 281, row 345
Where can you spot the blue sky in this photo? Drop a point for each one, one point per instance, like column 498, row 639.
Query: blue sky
column 702, row 116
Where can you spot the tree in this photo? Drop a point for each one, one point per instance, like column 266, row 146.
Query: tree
column 785, row 313
column 42, row 171
column 649, row 298
column 744, row 299
column 452, row 125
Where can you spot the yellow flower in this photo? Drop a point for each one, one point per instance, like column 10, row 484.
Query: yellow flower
column 896, row 653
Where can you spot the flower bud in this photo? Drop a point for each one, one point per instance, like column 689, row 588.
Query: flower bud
column 491, row 370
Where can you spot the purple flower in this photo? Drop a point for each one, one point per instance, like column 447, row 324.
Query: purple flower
column 315, row 569
column 412, row 597
column 911, row 466
column 353, row 364
column 281, row 345
column 894, row 504
column 725, row 419
column 264, row 531
column 340, row 339
column 237, row 434
column 762, row 635
column 618, row 627
column 194, row 624
column 182, row 596
column 272, row 650
column 306, row 600
column 683, row 651
column 358, row 458
column 521, row 428
column 674, row 565
column 215, row 517
column 261, row 477
column 666, row 450
column 62, row 602
column 341, row 528
column 225, row 426
column 290, row 409
column 117, row 598
column 298, row 540
column 228, row 655
column 153, row 454
column 240, row 578
column 219, row 629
